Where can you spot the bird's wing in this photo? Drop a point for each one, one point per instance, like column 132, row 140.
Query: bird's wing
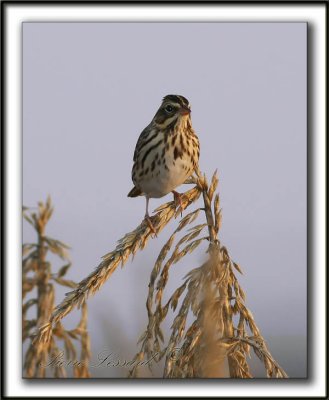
column 134, row 192
column 142, row 137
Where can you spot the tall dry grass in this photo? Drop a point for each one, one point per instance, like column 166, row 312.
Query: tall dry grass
column 38, row 292
column 211, row 293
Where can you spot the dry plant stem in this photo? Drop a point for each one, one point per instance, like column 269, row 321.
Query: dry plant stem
column 228, row 324
column 213, row 327
column 42, row 274
column 127, row 246
column 211, row 357
column 263, row 349
column 37, row 355
column 214, row 250
column 43, row 312
column 208, row 289
column 37, row 274
column 223, row 292
column 209, row 216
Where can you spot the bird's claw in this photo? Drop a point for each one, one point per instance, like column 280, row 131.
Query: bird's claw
column 148, row 220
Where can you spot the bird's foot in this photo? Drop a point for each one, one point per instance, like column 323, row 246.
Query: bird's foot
column 178, row 201
column 148, row 220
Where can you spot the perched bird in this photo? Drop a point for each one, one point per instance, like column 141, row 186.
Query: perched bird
column 167, row 152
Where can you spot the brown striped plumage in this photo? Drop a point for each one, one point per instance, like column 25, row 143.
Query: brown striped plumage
column 167, row 151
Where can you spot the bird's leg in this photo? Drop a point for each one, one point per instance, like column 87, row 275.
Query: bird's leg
column 178, row 201
column 147, row 217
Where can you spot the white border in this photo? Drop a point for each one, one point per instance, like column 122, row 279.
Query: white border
column 16, row 14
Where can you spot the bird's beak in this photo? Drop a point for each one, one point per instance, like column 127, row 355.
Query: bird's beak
column 184, row 110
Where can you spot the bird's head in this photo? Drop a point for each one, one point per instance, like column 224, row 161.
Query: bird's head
column 173, row 110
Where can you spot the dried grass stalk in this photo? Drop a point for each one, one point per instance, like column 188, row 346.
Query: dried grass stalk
column 202, row 349
column 37, row 273
column 210, row 292
column 127, row 246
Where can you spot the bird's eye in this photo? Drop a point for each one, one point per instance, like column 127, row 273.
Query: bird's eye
column 169, row 108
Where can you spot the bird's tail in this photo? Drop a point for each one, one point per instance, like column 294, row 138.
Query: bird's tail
column 134, row 192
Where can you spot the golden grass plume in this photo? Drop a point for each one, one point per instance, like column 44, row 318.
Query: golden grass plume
column 210, row 292
column 37, row 274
